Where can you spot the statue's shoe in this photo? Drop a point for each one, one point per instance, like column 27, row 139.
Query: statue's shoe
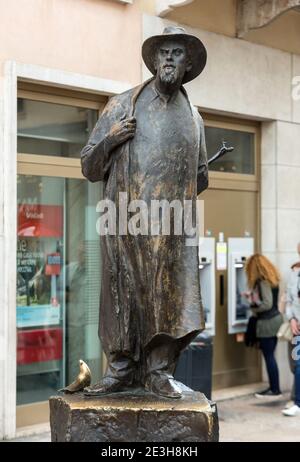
column 163, row 384
column 105, row 386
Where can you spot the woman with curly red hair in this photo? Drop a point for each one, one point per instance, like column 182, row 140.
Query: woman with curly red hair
column 263, row 281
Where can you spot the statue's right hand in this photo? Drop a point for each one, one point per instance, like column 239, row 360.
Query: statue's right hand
column 121, row 132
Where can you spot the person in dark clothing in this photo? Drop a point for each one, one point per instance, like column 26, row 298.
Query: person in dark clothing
column 263, row 281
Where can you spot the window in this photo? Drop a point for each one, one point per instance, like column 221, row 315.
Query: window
column 241, row 160
column 58, row 254
column 243, row 135
column 53, row 129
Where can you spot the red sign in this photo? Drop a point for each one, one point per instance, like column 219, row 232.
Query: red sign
column 53, row 264
column 39, row 345
column 35, row 220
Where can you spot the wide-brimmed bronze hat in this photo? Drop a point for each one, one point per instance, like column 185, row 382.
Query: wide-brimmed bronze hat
column 195, row 47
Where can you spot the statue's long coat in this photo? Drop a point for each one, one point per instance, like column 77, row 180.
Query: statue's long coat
column 150, row 284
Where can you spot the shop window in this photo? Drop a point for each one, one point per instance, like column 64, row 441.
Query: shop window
column 53, row 129
column 58, row 283
column 58, row 249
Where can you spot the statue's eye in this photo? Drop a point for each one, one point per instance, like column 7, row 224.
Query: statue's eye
column 178, row 52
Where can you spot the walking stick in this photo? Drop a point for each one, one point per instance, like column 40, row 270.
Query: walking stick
column 224, row 149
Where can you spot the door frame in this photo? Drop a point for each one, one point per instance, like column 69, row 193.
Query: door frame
column 235, row 181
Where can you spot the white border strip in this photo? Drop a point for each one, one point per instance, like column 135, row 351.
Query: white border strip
column 9, row 157
column 70, row 80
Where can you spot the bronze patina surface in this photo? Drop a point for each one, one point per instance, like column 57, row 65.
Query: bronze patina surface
column 137, row 416
column 149, row 143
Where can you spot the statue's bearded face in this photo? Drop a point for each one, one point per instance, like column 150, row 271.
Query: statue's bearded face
column 172, row 62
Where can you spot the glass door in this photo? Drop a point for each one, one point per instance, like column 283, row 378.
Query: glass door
column 58, row 257
column 58, row 274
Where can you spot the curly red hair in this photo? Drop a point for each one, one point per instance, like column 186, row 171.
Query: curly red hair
column 259, row 267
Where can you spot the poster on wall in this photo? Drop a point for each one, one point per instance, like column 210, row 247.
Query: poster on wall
column 40, row 233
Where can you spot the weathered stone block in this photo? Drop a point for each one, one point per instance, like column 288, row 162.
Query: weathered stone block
column 133, row 417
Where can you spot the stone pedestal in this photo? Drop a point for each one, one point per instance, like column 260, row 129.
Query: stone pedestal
column 133, row 417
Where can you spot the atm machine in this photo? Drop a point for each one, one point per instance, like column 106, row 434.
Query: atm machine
column 239, row 249
column 208, row 281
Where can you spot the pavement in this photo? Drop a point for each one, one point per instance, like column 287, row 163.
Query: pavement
column 248, row 419
column 37, row 438
column 242, row 418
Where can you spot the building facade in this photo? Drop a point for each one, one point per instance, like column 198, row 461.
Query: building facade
column 60, row 60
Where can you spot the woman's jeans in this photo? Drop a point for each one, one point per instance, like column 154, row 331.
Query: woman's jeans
column 292, row 368
column 296, row 357
column 267, row 346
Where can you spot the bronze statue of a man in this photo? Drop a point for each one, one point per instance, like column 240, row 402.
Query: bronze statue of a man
column 149, row 142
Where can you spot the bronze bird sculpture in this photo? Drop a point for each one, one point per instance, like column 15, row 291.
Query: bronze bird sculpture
column 82, row 380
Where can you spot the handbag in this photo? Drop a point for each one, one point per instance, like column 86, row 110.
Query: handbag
column 250, row 335
column 285, row 332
